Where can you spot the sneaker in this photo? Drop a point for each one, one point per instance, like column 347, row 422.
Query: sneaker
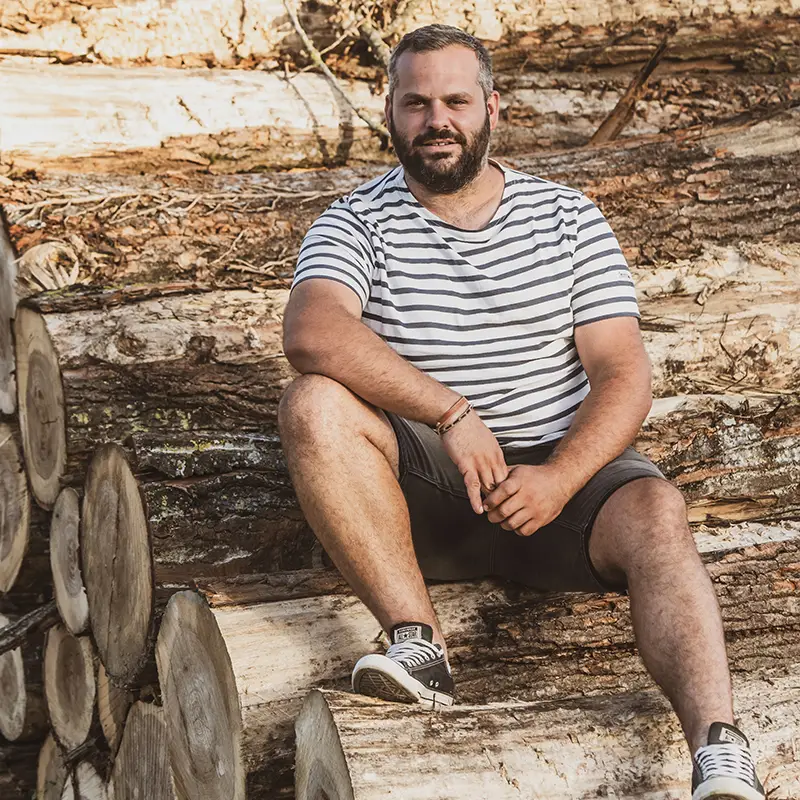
column 724, row 768
column 414, row 670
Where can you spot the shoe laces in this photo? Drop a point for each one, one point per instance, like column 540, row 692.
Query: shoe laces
column 414, row 652
column 726, row 761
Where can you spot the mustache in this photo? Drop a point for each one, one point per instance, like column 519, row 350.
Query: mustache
column 426, row 138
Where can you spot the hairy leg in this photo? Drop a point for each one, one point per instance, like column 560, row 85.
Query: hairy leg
column 642, row 533
column 344, row 463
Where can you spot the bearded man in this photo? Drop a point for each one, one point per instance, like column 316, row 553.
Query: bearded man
column 472, row 377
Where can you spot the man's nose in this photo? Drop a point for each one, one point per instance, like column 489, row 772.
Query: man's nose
column 438, row 115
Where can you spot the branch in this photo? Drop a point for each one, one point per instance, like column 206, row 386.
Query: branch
column 373, row 38
column 318, row 60
column 40, row 619
column 615, row 122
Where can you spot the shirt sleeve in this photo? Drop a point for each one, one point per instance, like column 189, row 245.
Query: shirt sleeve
column 603, row 286
column 337, row 247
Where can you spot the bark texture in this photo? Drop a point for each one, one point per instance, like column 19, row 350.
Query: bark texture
column 630, row 745
column 504, row 642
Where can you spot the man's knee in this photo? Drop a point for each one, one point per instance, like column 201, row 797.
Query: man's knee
column 642, row 522
column 312, row 402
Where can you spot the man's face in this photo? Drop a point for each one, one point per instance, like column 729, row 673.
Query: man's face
column 438, row 118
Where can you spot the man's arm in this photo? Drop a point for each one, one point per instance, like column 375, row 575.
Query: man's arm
column 323, row 333
column 614, row 358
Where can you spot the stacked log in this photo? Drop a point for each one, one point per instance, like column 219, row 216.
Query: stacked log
column 149, row 391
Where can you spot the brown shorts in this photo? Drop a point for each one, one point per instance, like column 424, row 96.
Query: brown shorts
column 452, row 542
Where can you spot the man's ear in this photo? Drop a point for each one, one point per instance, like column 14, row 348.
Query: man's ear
column 387, row 110
column 493, row 108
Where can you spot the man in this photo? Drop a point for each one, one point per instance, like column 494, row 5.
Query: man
column 472, row 378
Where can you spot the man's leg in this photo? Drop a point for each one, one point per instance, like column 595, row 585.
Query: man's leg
column 344, row 463
column 642, row 533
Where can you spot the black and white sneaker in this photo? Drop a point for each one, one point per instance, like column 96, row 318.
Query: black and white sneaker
column 414, row 670
column 724, row 768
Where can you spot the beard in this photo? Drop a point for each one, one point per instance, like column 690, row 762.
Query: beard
column 443, row 174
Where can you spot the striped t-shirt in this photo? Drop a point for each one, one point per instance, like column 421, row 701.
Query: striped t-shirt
column 489, row 313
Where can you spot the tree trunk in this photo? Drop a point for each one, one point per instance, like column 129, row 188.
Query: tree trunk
column 521, row 38
column 241, row 120
column 23, row 715
column 630, row 746
column 668, row 198
column 70, row 687
column 15, row 510
column 65, row 563
column 52, row 771
column 41, row 407
column 141, row 768
column 265, row 657
column 8, row 305
column 113, row 705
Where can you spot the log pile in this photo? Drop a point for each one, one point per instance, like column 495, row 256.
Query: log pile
column 166, row 607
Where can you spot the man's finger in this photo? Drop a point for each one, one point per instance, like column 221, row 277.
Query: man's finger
column 500, row 493
column 473, row 484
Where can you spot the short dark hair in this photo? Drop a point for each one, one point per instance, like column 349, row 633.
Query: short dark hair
column 437, row 37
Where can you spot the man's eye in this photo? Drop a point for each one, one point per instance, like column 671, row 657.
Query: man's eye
column 458, row 102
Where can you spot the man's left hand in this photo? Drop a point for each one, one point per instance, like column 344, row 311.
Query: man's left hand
column 528, row 499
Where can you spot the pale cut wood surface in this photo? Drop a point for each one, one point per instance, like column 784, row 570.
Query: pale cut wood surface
column 629, row 746
column 543, row 645
column 8, row 305
column 52, row 771
column 141, row 768
column 117, row 565
column 199, row 693
column 84, row 783
column 41, row 407
column 65, row 562
column 14, row 511
column 113, row 705
column 23, row 715
column 70, row 685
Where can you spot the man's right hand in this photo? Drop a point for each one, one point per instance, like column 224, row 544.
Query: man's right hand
column 473, row 448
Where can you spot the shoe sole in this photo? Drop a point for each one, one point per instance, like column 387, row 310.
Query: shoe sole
column 726, row 789
column 378, row 676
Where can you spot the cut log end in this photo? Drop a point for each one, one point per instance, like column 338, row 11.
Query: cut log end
column 14, row 510
column 70, row 689
column 320, row 766
column 13, row 697
column 52, row 772
column 8, row 304
column 199, row 694
column 85, row 784
column 112, row 706
column 120, row 598
column 141, row 768
column 41, row 406
column 64, row 562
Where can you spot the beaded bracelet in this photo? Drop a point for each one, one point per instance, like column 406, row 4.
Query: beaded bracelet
column 443, row 428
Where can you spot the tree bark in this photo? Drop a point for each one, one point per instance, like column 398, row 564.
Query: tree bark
column 521, row 38
column 141, row 768
column 667, row 198
column 351, row 748
column 70, row 686
column 545, row 646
